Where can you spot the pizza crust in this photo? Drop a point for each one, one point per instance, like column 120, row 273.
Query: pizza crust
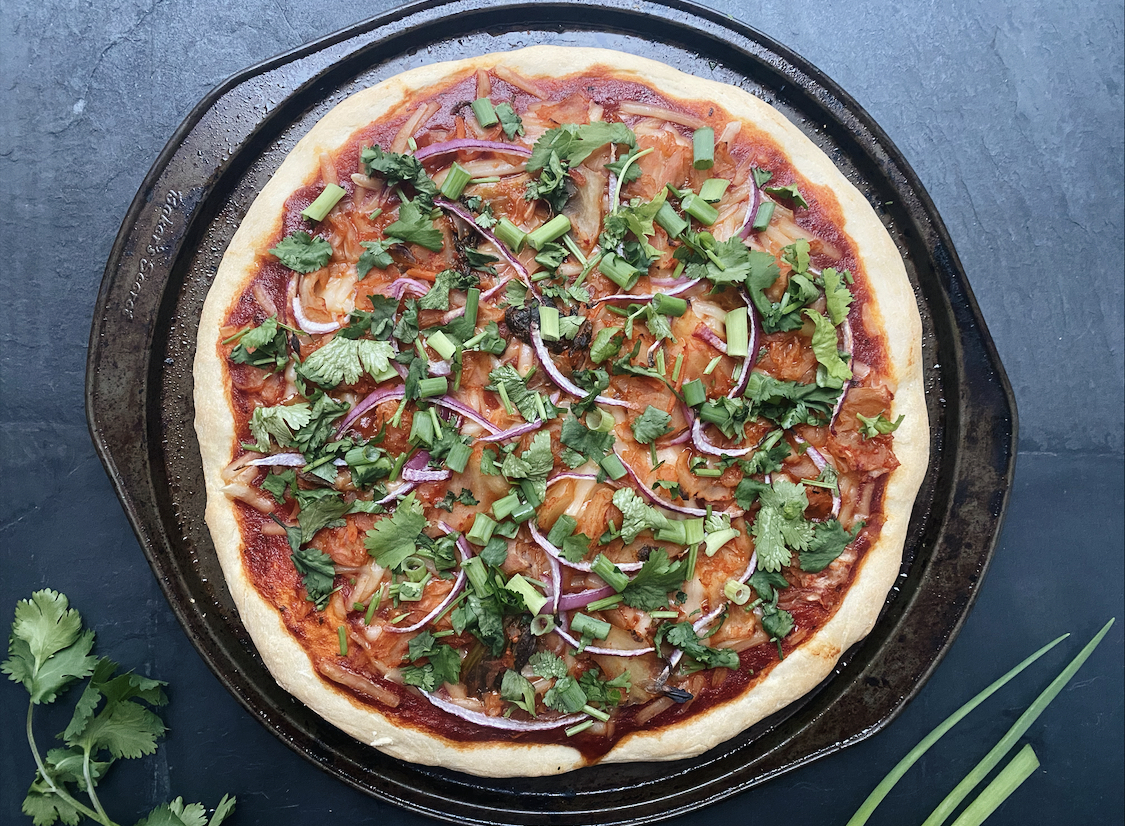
column 891, row 301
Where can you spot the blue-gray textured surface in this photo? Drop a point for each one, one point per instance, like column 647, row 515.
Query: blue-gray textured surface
column 1012, row 115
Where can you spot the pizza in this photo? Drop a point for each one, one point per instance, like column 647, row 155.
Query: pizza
column 557, row 407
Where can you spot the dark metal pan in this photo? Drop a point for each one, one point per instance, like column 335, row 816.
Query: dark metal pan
column 139, row 392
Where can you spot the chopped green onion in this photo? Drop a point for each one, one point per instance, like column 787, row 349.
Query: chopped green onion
column 562, row 529
column 703, row 148
column 319, row 209
column 481, row 530
column 455, row 181
column 763, row 215
column 674, row 532
column 485, row 112
column 585, row 625
column 440, row 342
column 603, row 604
column 525, row 511
column 375, row 213
column 436, row 386
column 401, row 459
column 670, row 220
column 421, row 430
column 513, row 237
column 472, row 302
column 613, row 467
column 343, row 635
column 699, row 209
column 412, row 144
column 738, row 334
column 572, row 245
column 863, row 813
column 477, row 572
column 487, row 179
column 661, row 368
column 458, row 457
column 1009, row 779
column 619, row 271
column 737, row 592
column 411, row 591
column 414, row 567
column 990, row 760
column 708, row 473
column 542, row 624
column 694, row 392
column 529, row 493
column 693, row 529
column 555, row 228
column 711, row 365
column 664, row 614
column 503, row 391
column 579, row 728
column 601, row 421
column 677, row 367
column 531, row 598
column 502, row 508
column 692, row 558
column 612, row 575
column 713, row 189
column 372, row 607
column 549, row 323
column 597, row 714
column 669, row 305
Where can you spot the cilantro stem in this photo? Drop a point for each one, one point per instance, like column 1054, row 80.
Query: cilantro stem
column 101, row 817
column 90, row 786
column 621, row 178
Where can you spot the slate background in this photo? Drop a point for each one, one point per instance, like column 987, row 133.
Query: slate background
column 1012, row 116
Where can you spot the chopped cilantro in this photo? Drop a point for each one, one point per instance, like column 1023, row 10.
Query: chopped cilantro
column 582, row 443
column 318, row 572
column 345, row 360
column 604, row 693
column 636, row 514
column 878, row 426
column 465, row 497
column 414, row 226
column 437, row 298
column 837, row 295
column 828, row 543
column 566, row 695
column 788, row 193
column 265, row 346
column 516, row 389
column 301, row 252
column 397, row 169
column 510, row 122
column 395, row 537
column 379, row 321
column 534, row 464
column 517, row 690
column 574, row 143
column 547, row 664
column 374, row 255
column 648, row 590
column 683, row 636
column 825, row 349
column 278, row 422
column 651, row 425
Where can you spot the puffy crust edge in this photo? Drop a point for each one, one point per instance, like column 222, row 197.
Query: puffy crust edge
column 891, row 301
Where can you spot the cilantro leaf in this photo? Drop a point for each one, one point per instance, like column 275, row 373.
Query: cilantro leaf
column 878, row 426
column 517, row 690
column 768, row 457
column 777, row 623
column 414, row 226
column 825, row 349
column 437, row 297
column 829, row 543
column 648, row 590
column 632, row 173
column 651, row 425
column 729, row 262
column 374, row 255
column 796, row 255
column 379, row 321
column 465, row 497
column 574, row 143
column 406, row 328
column 788, row 403
column 517, row 391
column 683, row 636
column 768, row 540
column 394, row 537
column 397, row 169
column 265, row 346
column 636, row 514
column 604, row 693
column 443, row 666
column 47, row 649
column 547, row 664
column 317, row 572
column 566, row 695
column 551, row 185
column 583, row 444
column 789, row 193
column 345, row 360
column 277, row 422
column 315, row 433
column 836, row 294
column 534, row 464
column 301, row 252
column 510, row 122
column 321, row 513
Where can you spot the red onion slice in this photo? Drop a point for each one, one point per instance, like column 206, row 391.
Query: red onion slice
column 683, row 287
column 308, row 325
column 545, row 544
column 458, row 585
column 505, row 723
column 412, row 475
column 374, row 398
column 572, row 602
column 578, row 477
column 751, row 210
column 402, row 286
column 513, row 262
column 514, row 432
column 553, row 372
column 635, row 478
column 450, row 403
column 609, row 652
column 704, row 446
column 488, row 294
column 470, row 144
column 820, row 462
column 689, row 417
column 555, row 584
column 705, row 333
column 755, row 329
column 398, row 494
column 846, row 332
column 280, row 460
column 440, row 368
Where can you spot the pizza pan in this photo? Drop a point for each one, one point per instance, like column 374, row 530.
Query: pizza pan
column 139, row 392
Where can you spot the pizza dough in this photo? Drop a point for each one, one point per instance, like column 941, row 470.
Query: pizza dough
column 888, row 305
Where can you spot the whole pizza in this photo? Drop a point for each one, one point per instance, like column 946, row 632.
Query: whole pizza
column 557, row 407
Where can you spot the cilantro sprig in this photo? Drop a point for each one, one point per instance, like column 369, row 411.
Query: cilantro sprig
column 48, row 650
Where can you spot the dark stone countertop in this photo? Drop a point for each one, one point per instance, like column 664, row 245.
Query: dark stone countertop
column 1011, row 114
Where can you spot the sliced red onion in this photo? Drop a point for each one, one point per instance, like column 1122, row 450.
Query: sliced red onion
column 689, row 417
column 397, row 494
column 308, row 325
column 578, row 477
column 488, row 294
column 609, row 652
column 374, row 398
column 571, row 602
column 514, row 432
column 751, row 210
column 651, row 495
column 553, row 372
column 704, row 446
column 411, row 475
column 704, row 621
column 545, row 544
column 555, row 584
column 440, row 368
column 402, row 286
column 505, row 723
column 705, row 333
column 849, row 343
column 458, row 585
column 450, row 403
column 465, row 215
column 683, row 287
column 468, row 144
column 820, row 462
column 280, row 460
column 755, row 329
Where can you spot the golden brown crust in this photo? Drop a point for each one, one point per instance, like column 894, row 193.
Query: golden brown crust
column 891, row 303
